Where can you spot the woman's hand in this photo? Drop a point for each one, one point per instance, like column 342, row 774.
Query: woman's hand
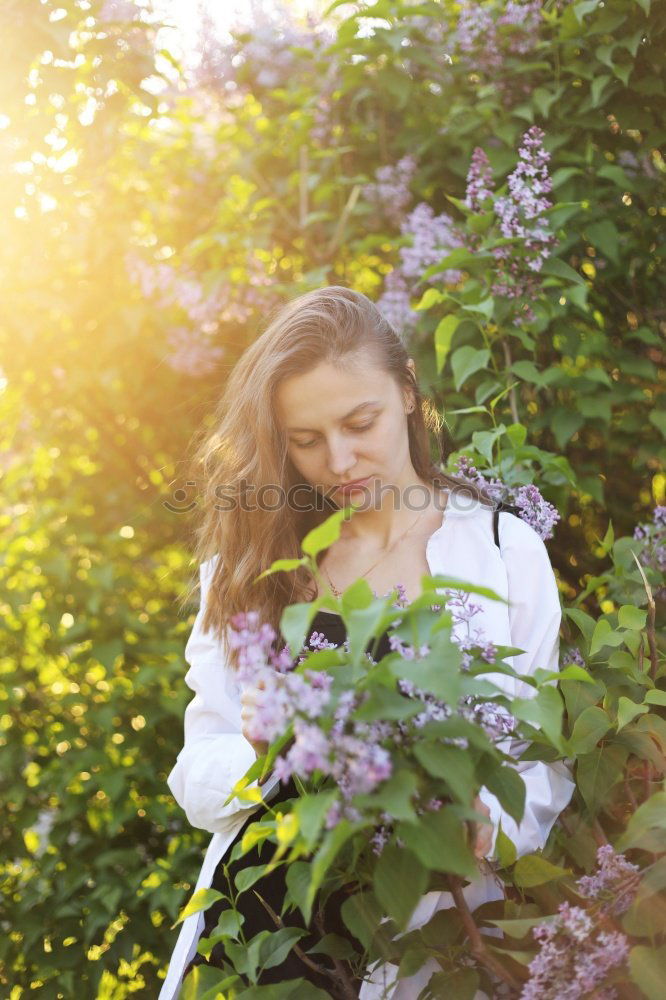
column 482, row 837
column 248, row 708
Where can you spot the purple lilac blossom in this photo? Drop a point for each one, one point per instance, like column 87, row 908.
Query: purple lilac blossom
column 652, row 553
column 261, row 50
column 537, row 512
column 390, row 190
column 573, row 655
column 395, row 304
column 432, row 237
column 479, row 181
column 615, row 883
column 227, row 302
column 575, row 957
column 521, row 216
column 477, row 33
column 534, row 509
column 190, row 353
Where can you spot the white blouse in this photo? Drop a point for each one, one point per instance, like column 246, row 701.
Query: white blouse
column 215, row 754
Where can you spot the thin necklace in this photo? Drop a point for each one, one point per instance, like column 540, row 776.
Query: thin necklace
column 386, row 551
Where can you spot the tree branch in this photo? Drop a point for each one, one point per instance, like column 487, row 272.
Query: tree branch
column 479, row 949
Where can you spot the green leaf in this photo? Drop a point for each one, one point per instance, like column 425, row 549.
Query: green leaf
column 656, row 697
column 649, row 818
column 658, row 419
column 433, row 830
column 201, row 900
column 590, row 726
column 461, row 984
column 505, row 849
column 586, row 624
column 584, row 7
column 274, row 949
column 605, row 237
column 617, row 175
column 431, row 297
column 532, row 869
column 281, row 564
column 597, row 773
column 444, row 334
column 604, row 635
column 324, row 534
column 627, row 710
column 294, row 624
column 399, row 882
column 648, row 970
column 362, row 914
column 467, row 360
column 311, row 813
column 298, row 877
column 333, row 945
column 630, row 616
column 506, row 784
column 324, row 858
column 247, row 877
column 544, row 712
column 451, row 764
column 560, row 269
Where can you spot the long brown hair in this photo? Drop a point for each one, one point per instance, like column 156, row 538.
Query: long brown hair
column 246, row 448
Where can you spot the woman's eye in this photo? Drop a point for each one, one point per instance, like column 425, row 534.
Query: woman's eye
column 356, row 430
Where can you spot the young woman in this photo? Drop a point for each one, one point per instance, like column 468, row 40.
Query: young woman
column 322, row 409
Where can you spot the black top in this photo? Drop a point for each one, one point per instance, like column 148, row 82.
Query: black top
column 331, row 625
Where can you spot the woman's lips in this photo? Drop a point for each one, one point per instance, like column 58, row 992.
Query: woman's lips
column 359, row 484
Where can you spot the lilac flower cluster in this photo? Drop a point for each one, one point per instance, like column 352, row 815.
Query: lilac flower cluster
column 431, row 237
column 395, row 303
column 484, row 39
column 262, row 51
column 578, row 949
column 390, row 190
column 653, row 549
column 190, row 350
column 521, row 216
column 539, row 513
column 575, row 957
column 615, row 883
column 634, row 165
column 480, row 185
column 572, row 655
column 191, row 353
column 350, row 752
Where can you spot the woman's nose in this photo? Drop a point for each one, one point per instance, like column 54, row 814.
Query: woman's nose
column 341, row 459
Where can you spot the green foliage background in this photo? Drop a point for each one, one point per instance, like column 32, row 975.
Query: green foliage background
column 114, row 159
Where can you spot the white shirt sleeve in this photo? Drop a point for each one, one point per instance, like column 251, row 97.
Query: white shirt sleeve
column 534, row 616
column 215, row 754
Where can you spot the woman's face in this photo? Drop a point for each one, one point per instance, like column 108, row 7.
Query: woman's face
column 344, row 424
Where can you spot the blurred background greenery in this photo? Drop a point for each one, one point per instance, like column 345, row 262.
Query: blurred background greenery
column 166, row 182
